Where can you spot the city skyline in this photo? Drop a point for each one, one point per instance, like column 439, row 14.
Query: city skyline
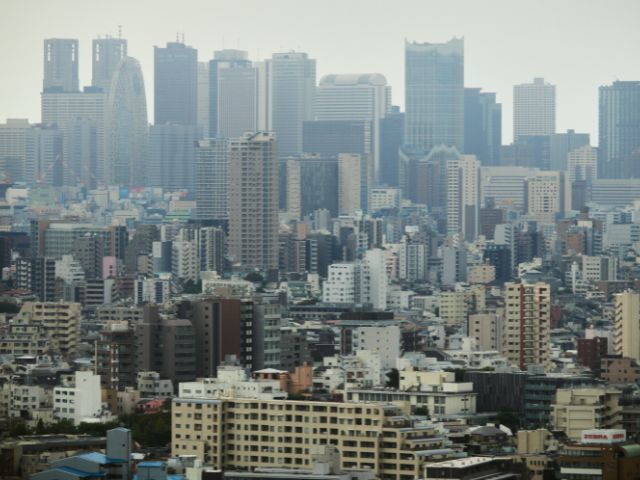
column 484, row 30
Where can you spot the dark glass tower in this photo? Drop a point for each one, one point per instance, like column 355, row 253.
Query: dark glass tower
column 434, row 94
column 176, row 84
column 619, row 131
column 482, row 126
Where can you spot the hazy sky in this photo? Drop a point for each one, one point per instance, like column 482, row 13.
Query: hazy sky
column 575, row 44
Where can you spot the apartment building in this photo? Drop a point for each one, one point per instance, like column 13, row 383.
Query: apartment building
column 245, row 434
column 581, row 409
column 60, row 321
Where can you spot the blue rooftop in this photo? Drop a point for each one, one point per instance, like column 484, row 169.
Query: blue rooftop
column 150, row 464
column 79, row 473
column 100, row 458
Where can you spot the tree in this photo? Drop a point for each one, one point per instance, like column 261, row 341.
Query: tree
column 509, row 419
column 254, row 277
column 393, row 378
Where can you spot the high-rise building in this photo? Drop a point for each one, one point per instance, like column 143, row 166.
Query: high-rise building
column 203, row 98
column 126, row 128
column 626, row 324
column 482, row 126
column 352, row 183
column 364, row 97
column 463, row 196
column 12, row 144
column 434, row 94
column 222, row 59
column 311, row 185
column 211, row 180
column 60, row 65
column 211, row 249
column 172, row 150
column 237, row 100
column 331, row 137
column 525, row 334
column 619, row 130
column 293, row 80
column 175, row 84
column 43, row 155
column 582, row 164
column 80, row 116
column 253, row 200
column 548, row 195
column 534, row 109
column 562, row 144
column 391, row 139
column 106, row 56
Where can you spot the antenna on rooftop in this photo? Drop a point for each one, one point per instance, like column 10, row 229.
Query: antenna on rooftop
column 120, row 31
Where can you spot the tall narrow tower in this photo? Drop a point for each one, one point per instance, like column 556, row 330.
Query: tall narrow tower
column 60, row 65
column 106, row 55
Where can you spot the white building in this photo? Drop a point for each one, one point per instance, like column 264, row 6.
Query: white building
column 185, row 264
column 582, row 164
column 355, row 97
column 534, row 109
column 380, row 198
column 548, row 195
column 149, row 384
column 152, row 290
column 69, row 269
column 79, row 399
column 381, row 338
column 463, row 196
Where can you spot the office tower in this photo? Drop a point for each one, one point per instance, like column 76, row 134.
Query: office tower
column 532, row 151
column 482, row 126
column 500, row 256
column 126, row 126
column 253, row 200
column 175, row 84
column 211, row 181
column 293, row 80
column 237, row 100
column 391, row 138
column 562, row 144
column 505, row 187
column 619, row 130
column 203, row 98
column 534, row 109
column 527, row 317
column 68, row 110
column 364, row 97
column 172, row 151
column 43, row 155
column 12, row 153
column 311, row 185
column 60, row 65
column 463, row 196
column 106, row 56
column 264, row 95
column 626, row 324
column 434, row 94
column 233, row 94
column 548, row 196
column 331, row 137
column 582, row 164
column 352, row 183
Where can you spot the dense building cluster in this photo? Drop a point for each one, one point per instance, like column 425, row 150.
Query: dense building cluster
column 294, row 279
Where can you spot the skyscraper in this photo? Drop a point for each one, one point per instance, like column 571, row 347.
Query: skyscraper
column 107, row 54
column 203, row 97
column 172, row 149
column 391, row 138
column 66, row 109
column 237, row 100
column 293, row 79
column 60, row 65
column 175, row 84
column 311, row 185
column 222, row 60
column 126, row 126
column 534, row 109
column 12, row 136
column 253, row 200
column 43, row 155
column 548, row 195
column 363, row 97
column 482, row 126
column 352, row 183
column 211, row 181
column 619, row 130
column 562, row 144
column 626, row 324
column 434, row 94
column 463, row 196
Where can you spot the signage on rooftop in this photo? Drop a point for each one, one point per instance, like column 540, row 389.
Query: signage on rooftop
column 604, row 436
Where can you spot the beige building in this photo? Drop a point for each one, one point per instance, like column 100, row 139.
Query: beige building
column 485, row 328
column 626, row 324
column 525, row 332
column 452, row 307
column 350, row 179
column 578, row 409
column 60, row 322
column 245, row 434
column 482, row 274
column 548, row 194
column 253, row 200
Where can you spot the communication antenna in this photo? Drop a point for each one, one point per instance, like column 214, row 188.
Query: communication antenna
column 120, row 31
column 177, row 37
